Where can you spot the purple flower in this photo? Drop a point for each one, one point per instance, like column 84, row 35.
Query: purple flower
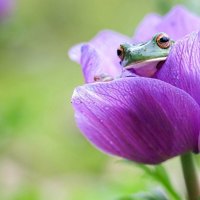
column 5, row 8
column 177, row 23
column 148, row 120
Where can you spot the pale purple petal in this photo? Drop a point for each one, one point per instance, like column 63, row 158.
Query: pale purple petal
column 6, row 7
column 147, row 27
column 75, row 52
column 107, row 43
column 177, row 23
column 99, row 55
column 182, row 68
column 94, row 64
column 141, row 119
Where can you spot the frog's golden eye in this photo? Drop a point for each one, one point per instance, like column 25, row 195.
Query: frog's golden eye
column 163, row 41
column 120, row 52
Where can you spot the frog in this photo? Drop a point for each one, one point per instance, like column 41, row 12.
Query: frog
column 144, row 58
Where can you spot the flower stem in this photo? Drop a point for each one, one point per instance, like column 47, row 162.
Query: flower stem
column 190, row 176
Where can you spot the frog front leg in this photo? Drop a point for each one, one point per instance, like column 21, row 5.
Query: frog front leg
column 103, row 78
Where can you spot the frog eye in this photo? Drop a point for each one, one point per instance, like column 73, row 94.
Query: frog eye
column 163, row 41
column 120, row 52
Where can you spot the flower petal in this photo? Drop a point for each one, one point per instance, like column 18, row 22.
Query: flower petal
column 6, row 7
column 177, row 23
column 93, row 64
column 182, row 68
column 107, row 42
column 99, row 55
column 141, row 119
column 144, row 31
column 75, row 52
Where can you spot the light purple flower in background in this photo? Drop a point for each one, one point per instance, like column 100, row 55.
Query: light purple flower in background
column 177, row 23
column 148, row 120
column 6, row 7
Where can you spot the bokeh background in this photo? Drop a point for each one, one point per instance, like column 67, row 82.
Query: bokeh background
column 43, row 156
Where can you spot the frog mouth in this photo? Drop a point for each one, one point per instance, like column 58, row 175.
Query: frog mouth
column 144, row 63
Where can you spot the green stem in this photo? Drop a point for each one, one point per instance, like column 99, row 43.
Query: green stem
column 190, row 176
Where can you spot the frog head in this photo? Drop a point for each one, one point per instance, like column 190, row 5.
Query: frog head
column 145, row 56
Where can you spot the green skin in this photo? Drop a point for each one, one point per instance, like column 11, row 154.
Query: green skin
column 141, row 55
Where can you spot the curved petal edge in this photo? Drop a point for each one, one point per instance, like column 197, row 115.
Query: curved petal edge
column 140, row 119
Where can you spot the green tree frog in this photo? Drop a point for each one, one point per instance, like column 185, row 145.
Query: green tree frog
column 144, row 57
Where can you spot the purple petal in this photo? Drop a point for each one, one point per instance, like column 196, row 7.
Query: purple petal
column 5, row 8
column 177, row 23
column 141, row 119
column 75, row 52
column 144, row 31
column 182, row 68
column 107, row 43
column 99, row 55
column 93, row 64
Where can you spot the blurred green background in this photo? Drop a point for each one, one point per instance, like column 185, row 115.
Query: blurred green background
column 43, row 156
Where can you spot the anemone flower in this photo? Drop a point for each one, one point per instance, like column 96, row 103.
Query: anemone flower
column 144, row 119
